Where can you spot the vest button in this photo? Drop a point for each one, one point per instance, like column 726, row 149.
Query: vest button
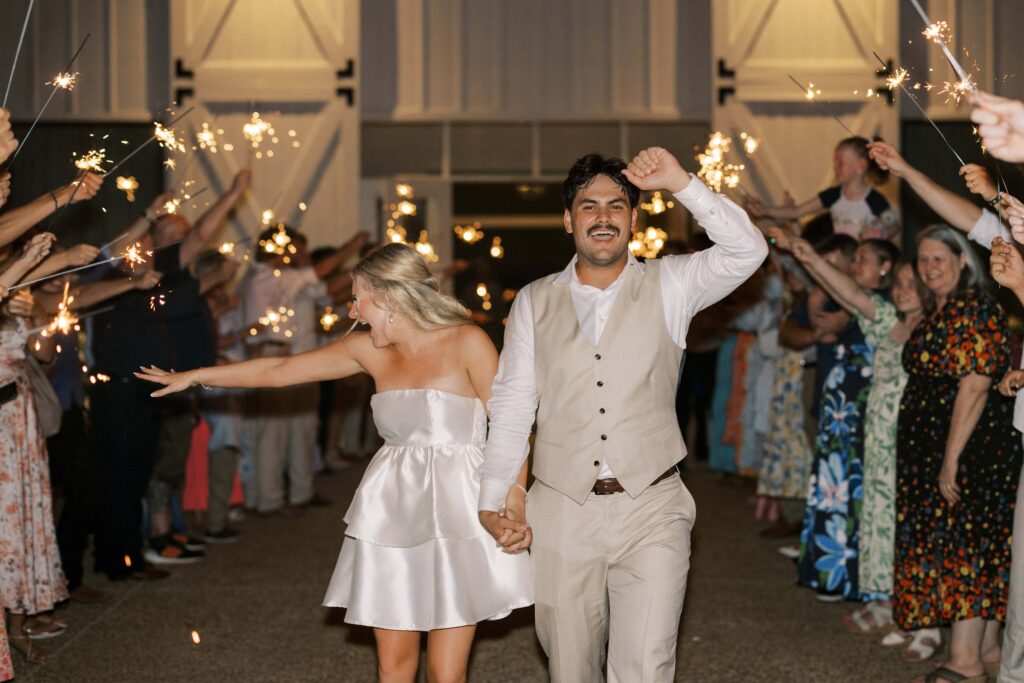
column 597, row 356
column 600, row 384
column 597, row 463
column 601, row 410
column 604, row 437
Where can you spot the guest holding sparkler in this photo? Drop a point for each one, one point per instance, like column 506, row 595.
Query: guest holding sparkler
column 1000, row 124
column 433, row 372
column 17, row 222
column 31, row 580
column 857, row 209
column 8, row 143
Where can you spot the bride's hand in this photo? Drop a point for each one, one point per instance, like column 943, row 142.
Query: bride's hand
column 173, row 381
column 515, row 511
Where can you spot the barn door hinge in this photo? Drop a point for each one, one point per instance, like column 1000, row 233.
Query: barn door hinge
column 725, row 73
column 884, row 73
column 181, row 73
column 346, row 74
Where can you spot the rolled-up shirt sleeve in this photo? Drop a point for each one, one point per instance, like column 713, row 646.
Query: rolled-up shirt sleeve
column 987, row 228
column 512, row 407
column 698, row 280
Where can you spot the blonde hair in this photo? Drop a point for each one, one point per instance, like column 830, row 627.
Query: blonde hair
column 399, row 279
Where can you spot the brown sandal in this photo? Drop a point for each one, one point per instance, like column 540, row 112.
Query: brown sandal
column 29, row 650
column 949, row 676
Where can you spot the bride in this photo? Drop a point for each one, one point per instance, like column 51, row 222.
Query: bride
column 415, row 557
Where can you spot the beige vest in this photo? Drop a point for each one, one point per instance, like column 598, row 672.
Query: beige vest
column 612, row 402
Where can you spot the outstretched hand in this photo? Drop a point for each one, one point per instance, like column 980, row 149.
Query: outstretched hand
column 1013, row 210
column 1006, row 265
column 1000, row 124
column 173, row 381
column 888, row 158
column 655, row 168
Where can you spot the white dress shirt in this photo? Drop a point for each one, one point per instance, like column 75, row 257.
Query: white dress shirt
column 989, row 227
column 689, row 283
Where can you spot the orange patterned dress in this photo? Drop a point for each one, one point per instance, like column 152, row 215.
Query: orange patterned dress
column 952, row 563
column 31, row 579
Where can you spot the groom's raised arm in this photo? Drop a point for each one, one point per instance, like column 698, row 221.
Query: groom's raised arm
column 512, row 407
column 739, row 249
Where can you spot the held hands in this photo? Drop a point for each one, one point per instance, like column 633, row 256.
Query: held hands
column 1011, row 383
column 656, row 169
column 979, row 181
column 888, row 158
column 508, row 526
column 8, row 143
column 1000, row 125
column 173, row 381
column 1007, row 265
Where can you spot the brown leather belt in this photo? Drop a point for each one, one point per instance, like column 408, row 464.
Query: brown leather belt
column 604, row 487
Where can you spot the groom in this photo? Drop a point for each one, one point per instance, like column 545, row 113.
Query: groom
column 593, row 353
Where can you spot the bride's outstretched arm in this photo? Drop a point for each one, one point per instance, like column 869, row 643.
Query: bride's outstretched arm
column 333, row 361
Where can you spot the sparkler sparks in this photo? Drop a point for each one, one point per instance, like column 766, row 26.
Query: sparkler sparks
column 195, row 636
column 156, row 301
column 65, row 80
column 955, row 91
column 656, row 205
column 938, row 32
column 648, row 243
column 128, row 186
column 167, row 138
column 227, row 248
column 133, row 255
column 254, row 130
column 470, row 234
column 898, row 79
column 92, row 160
column 65, row 321
column 425, row 248
column 750, row 143
column 713, row 168
column 497, row 251
column 207, row 138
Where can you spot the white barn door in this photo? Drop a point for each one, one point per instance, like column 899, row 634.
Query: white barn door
column 294, row 62
column 758, row 44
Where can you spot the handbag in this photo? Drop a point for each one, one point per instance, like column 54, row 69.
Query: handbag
column 48, row 409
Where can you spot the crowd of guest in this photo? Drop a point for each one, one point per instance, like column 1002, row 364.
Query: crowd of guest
column 88, row 457
column 866, row 385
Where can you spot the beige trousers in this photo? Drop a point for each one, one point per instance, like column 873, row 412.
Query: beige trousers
column 1011, row 666
column 285, row 441
column 612, row 571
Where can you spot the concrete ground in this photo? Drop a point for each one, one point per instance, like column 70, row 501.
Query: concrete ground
column 256, row 608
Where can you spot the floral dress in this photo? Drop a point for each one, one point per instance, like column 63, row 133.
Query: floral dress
column 830, row 536
column 878, row 514
column 787, row 454
column 6, row 667
column 31, row 579
column 953, row 563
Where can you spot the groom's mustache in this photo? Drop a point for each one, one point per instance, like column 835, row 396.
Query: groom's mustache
column 602, row 227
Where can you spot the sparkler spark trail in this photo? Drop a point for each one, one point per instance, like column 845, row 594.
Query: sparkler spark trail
column 810, row 94
column 151, row 138
column 167, row 138
column 92, row 160
column 64, row 80
column 207, row 138
column 17, row 52
column 897, row 79
column 65, row 321
column 53, row 92
column 934, row 33
column 938, row 32
column 917, row 104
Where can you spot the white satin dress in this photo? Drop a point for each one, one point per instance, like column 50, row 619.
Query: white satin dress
column 415, row 556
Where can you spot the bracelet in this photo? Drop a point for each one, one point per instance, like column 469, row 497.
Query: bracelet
column 521, row 488
column 997, row 200
column 200, row 378
column 56, row 204
column 148, row 218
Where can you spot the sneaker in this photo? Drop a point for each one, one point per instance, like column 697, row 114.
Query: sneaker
column 161, row 552
column 185, row 541
column 225, row 535
column 830, row 597
column 792, row 552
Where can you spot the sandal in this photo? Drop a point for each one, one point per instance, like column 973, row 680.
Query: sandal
column 24, row 645
column 872, row 619
column 895, row 638
column 949, row 676
column 43, row 628
column 923, row 645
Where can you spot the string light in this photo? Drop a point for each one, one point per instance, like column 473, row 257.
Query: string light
column 470, row 234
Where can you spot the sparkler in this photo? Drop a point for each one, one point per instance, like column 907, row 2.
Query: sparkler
column 65, row 321
column 900, row 79
column 648, row 242
column 811, row 94
column 92, row 160
column 159, row 130
column 425, row 248
column 64, row 80
column 133, row 254
column 939, row 34
column 713, row 169
column 329, row 319
column 17, row 52
column 470, row 234
column 207, row 138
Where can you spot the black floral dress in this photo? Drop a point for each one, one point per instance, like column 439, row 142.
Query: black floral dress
column 953, row 562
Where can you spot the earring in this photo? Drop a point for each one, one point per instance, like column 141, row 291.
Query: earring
column 391, row 318
column 881, row 273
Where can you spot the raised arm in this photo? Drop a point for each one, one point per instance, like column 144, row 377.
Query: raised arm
column 16, row 222
column 78, row 255
column 334, row 361
column 8, row 143
column 329, row 264
column 959, row 212
column 785, row 212
column 835, row 282
column 92, row 293
column 739, row 247
column 35, row 251
column 211, row 221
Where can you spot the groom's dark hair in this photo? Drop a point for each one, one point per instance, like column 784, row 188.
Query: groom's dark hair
column 589, row 167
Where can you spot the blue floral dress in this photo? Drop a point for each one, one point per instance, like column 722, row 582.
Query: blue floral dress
column 830, row 535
